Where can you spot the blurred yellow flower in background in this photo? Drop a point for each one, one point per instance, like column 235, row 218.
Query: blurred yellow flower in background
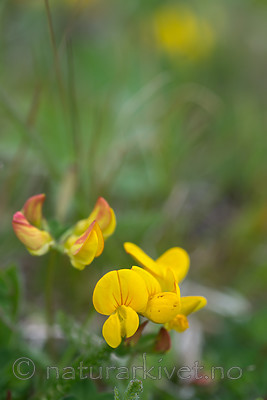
column 179, row 31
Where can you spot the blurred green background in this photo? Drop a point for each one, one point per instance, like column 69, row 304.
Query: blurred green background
column 160, row 107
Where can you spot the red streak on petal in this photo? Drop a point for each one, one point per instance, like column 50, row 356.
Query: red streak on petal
column 82, row 239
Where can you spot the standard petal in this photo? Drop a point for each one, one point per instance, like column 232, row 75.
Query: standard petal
column 177, row 259
column 190, row 304
column 103, row 214
column 143, row 259
column 133, row 290
column 110, row 227
column 168, row 281
column 107, row 296
column 112, row 331
column 32, row 209
column 162, row 307
column 129, row 321
column 152, row 285
column 100, row 238
column 86, row 247
column 37, row 241
column 117, row 288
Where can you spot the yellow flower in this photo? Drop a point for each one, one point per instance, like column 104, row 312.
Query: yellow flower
column 103, row 215
column 84, row 248
column 27, row 223
column 82, row 243
column 189, row 304
column 121, row 295
column 86, row 239
column 162, row 277
column 179, row 31
column 32, row 209
column 171, row 266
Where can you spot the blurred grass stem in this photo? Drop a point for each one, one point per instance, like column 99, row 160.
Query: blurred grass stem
column 55, row 54
column 49, row 298
column 75, row 127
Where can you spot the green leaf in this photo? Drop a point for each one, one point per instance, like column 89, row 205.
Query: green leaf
column 134, row 388
column 9, row 301
column 116, row 394
column 10, row 291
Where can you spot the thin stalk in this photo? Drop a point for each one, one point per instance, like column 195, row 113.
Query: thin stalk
column 55, row 54
column 49, row 299
column 75, row 128
column 49, row 279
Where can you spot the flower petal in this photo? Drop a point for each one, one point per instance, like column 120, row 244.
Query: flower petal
column 111, row 331
column 123, row 323
column 152, row 285
column 179, row 323
column 36, row 240
column 100, row 238
column 86, row 247
column 162, row 307
column 129, row 321
column 143, row 259
column 117, row 288
column 190, row 304
column 103, row 214
column 177, row 259
column 133, row 290
column 32, row 209
column 110, row 227
column 168, row 282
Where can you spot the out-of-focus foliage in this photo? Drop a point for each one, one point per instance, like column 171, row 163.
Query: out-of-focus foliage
column 132, row 392
column 161, row 109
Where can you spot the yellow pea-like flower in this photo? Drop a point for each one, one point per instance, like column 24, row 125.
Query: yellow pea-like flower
column 121, row 295
column 84, row 248
column 165, row 305
column 32, row 209
column 27, row 225
column 86, row 238
column 173, row 264
column 103, row 214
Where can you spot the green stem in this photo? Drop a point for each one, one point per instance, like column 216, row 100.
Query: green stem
column 49, row 299
column 55, row 54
